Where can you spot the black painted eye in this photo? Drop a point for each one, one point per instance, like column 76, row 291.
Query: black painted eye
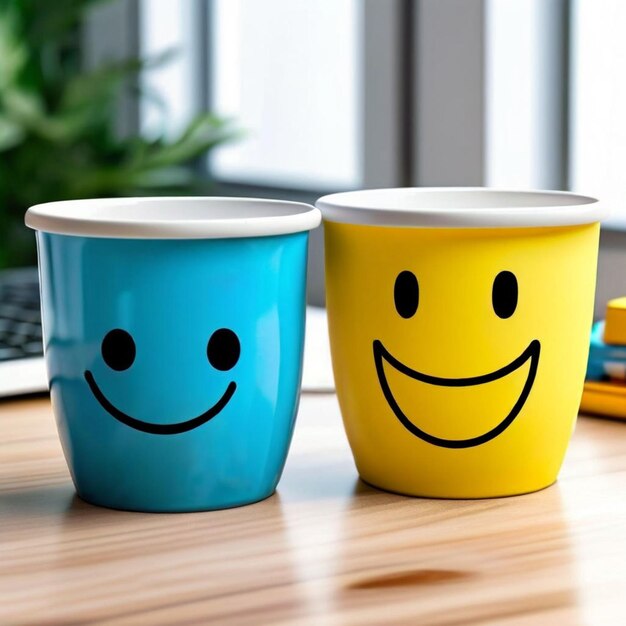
column 118, row 349
column 223, row 349
column 504, row 294
column 406, row 294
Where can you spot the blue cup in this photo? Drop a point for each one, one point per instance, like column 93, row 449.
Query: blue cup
column 173, row 332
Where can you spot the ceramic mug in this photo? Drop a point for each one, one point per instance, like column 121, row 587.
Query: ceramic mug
column 173, row 332
column 459, row 322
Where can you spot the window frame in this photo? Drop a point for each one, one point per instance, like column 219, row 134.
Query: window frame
column 383, row 77
column 427, row 114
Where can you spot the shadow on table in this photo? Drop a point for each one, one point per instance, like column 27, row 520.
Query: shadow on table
column 37, row 502
column 461, row 560
column 201, row 560
column 208, row 558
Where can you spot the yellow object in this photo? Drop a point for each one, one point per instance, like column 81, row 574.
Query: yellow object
column 604, row 398
column 470, row 388
column 615, row 324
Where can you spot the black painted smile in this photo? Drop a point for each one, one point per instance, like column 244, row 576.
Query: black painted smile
column 160, row 429
column 531, row 352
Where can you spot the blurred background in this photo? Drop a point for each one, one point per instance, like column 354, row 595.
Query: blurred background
column 297, row 98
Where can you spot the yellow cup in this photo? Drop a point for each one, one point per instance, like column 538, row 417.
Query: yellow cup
column 459, row 324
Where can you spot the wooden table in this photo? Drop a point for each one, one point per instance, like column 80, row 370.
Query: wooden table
column 326, row 549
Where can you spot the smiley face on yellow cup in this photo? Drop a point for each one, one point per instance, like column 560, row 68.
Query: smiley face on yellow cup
column 459, row 323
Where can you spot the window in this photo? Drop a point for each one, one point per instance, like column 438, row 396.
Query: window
column 287, row 71
column 525, row 93
column 598, row 102
column 170, row 92
column 336, row 94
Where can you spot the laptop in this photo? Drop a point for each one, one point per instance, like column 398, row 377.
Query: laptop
column 22, row 368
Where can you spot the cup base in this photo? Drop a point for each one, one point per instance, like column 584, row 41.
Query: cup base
column 449, row 495
column 106, row 504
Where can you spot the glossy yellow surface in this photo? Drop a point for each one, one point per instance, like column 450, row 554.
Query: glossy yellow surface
column 455, row 334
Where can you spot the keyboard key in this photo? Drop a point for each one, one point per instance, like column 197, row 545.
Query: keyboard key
column 10, row 353
column 20, row 316
column 33, row 348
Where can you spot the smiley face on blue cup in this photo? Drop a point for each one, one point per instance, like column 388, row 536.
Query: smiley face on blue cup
column 118, row 352
column 173, row 334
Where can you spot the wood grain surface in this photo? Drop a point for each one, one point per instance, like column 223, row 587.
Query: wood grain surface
column 326, row 549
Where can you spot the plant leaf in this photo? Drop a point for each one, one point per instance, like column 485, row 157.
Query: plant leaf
column 205, row 132
column 10, row 134
column 13, row 50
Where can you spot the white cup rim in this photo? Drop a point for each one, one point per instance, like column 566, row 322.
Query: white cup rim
column 466, row 207
column 185, row 217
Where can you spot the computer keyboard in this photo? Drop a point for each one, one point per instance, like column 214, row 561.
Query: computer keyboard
column 20, row 317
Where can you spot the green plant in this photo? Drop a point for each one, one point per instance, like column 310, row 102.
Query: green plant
column 57, row 124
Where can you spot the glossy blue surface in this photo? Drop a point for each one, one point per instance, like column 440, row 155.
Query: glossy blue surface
column 171, row 296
